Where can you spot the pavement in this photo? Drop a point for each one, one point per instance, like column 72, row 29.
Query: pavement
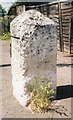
column 10, row 107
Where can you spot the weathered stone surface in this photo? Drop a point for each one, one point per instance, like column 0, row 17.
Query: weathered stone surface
column 33, row 51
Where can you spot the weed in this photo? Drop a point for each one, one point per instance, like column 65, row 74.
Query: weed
column 40, row 92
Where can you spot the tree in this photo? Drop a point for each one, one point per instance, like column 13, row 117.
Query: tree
column 2, row 11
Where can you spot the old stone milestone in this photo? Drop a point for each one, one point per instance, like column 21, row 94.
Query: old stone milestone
column 33, row 51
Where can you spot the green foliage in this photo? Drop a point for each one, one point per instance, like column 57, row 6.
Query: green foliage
column 5, row 27
column 0, row 19
column 6, row 23
column 2, row 11
column 40, row 92
column 5, row 36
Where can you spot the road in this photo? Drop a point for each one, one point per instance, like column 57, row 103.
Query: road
column 11, row 107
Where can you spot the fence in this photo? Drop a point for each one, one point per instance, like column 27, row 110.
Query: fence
column 62, row 14
column 67, row 29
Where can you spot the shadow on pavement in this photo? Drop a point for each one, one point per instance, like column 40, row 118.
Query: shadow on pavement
column 5, row 65
column 64, row 92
